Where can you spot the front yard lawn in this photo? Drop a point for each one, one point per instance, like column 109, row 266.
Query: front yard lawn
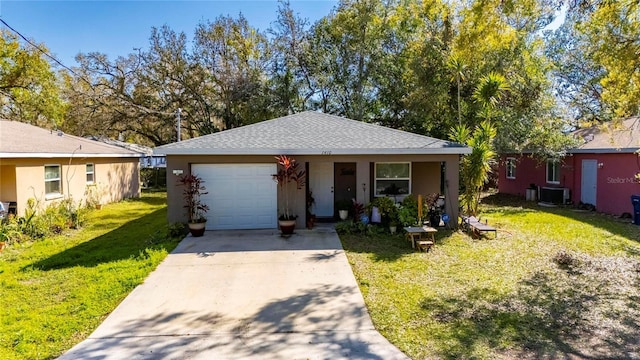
column 556, row 283
column 55, row 292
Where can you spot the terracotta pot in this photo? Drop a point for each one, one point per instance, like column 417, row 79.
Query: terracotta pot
column 2, row 245
column 287, row 226
column 196, row 229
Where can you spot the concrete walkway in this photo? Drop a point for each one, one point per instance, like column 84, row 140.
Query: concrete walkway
column 244, row 295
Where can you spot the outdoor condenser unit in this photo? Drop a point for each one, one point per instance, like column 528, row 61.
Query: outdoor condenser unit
column 554, row 195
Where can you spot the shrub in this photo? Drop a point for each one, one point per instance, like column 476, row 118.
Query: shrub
column 352, row 227
column 387, row 208
column 408, row 211
column 10, row 231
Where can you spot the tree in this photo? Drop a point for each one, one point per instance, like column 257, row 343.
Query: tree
column 596, row 53
column 475, row 167
column 28, row 87
column 290, row 78
column 233, row 58
column 346, row 47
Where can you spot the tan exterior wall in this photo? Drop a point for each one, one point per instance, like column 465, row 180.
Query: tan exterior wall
column 425, row 176
column 7, row 183
column 116, row 178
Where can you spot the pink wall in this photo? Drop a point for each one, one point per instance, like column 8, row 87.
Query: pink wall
column 530, row 170
column 615, row 183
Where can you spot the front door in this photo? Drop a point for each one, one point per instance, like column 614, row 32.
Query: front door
column 589, row 182
column 344, row 183
column 321, row 187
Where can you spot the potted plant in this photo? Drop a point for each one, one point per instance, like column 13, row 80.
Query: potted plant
column 393, row 226
column 196, row 210
column 434, row 205
column 343, row 208
column 93, row 196
column 290, row 178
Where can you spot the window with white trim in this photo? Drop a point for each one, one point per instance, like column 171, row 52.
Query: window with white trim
column 90, row 173
column 392, row 178
column 511, row 168
column 52, row 180
column 553, row 172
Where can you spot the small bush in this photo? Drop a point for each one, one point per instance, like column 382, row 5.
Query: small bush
column 177, row 230
column 387, row 208
column 408, row 211
column 10, row 231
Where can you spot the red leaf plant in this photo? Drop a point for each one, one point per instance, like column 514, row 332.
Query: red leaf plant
column 290, row 178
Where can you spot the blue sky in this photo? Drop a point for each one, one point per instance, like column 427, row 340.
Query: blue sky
column 117, row 27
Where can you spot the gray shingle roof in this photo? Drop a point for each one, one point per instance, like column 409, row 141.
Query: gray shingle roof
column 312, row 133
column 610, row 137
column 20, row 140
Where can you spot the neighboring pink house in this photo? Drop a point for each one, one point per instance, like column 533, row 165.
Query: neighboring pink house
column 601, row 172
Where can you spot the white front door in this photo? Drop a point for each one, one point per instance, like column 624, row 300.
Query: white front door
column 321, row 186
column 589, row 182
column 240, row 196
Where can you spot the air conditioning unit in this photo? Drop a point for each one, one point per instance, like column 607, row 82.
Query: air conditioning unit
column 554, row 195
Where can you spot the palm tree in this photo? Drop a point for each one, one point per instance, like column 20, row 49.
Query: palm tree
column 475, row 167
column 489, row 92
column 458, row 68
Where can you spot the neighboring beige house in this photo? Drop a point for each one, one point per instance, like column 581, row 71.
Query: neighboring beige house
column 48, row 165
column 344, row 159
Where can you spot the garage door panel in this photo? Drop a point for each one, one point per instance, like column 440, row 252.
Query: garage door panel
column 241, row 196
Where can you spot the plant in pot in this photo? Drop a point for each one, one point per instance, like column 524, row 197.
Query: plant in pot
column 290, row 178
column 343, row 208
column 434, row 204
column 196, row 210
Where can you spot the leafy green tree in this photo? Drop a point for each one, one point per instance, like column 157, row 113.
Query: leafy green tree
column 290, row 73
column 475, row 167
column 233, row 56
column 29, row 91
column 596, row 55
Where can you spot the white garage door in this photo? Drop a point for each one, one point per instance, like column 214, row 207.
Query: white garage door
column 241, row 196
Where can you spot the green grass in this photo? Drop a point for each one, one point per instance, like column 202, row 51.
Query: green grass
column 55, row 292
column 556, row 283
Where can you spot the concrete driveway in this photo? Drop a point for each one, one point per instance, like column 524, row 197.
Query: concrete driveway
column 243, row 295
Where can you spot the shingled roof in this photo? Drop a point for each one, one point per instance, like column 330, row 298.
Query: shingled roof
column 21, row 140
column 610, row 137
column 312, row 133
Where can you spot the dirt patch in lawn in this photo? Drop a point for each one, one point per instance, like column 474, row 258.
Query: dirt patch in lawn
column 584, row 307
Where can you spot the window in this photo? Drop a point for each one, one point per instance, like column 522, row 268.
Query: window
column 553, row 172
column 392, row 178
column 52, row 180
column 511, row 168
column 90, row 174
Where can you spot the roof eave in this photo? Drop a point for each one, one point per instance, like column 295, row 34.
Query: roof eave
column 17, row 155
column 603, row 150
column 432, row 151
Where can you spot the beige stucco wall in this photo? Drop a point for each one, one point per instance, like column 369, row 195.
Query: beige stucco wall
column 7, row 183
column 116, row 179
column 425, row 176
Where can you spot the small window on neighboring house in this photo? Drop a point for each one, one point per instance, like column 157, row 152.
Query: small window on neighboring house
column 393, row 178
column 553, row 172
column 511, row 168
column 52, row 182
column 90, row 174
